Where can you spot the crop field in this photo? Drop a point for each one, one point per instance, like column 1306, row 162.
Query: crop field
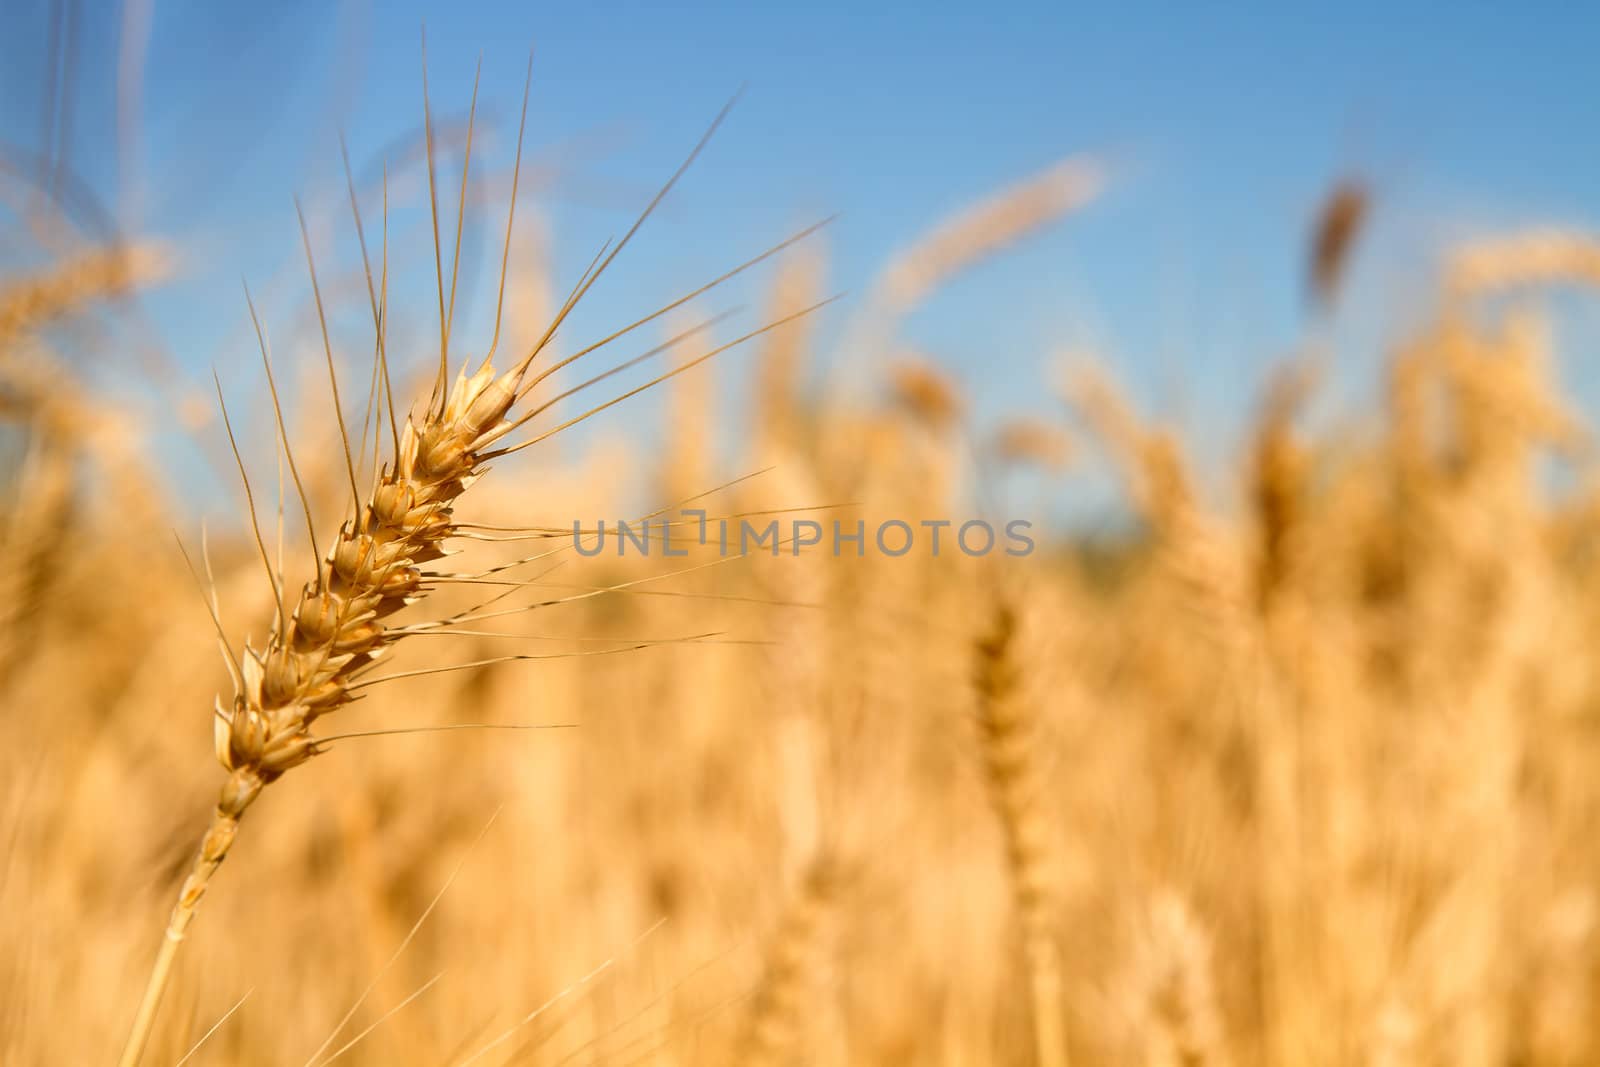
column 473, row 722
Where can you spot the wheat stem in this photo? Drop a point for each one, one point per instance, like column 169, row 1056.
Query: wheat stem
column 213, row 850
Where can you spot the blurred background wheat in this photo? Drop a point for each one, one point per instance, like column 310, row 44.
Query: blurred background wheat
column 1288, row 756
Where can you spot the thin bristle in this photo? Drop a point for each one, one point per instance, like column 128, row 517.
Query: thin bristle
column 461, row 205
column 327, row 351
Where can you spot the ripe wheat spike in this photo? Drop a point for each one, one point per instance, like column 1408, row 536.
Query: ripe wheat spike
column 323, row 646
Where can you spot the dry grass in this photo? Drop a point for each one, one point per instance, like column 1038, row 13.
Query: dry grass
column 1308, row 780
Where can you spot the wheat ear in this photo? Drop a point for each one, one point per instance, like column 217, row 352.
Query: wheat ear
column 1537, row 257
column 1007, row 729
column 318, row 651
column 94, row 275
column 316, row 655
column 797, row 958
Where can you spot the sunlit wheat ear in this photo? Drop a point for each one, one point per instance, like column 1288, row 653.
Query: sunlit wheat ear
column 1151, row 460
column 927, row 394
column 41, row 298
column 796, row 962
column 1194, row 550
column 1278, row 471
column 1030, row 442
column 1539, row 257
column 989, row 226
column 1171, row 990
column 323, row 644
column 319, row 651
column 1339, row 222
column 1008, row 735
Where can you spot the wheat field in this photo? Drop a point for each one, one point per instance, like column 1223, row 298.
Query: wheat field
column 1295, row 766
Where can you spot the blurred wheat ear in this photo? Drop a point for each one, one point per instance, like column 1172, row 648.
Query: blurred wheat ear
column 323, row 646
column 1008, row 732
column 95, row 275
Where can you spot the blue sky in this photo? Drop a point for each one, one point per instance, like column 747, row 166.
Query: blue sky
column 1227, row 126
